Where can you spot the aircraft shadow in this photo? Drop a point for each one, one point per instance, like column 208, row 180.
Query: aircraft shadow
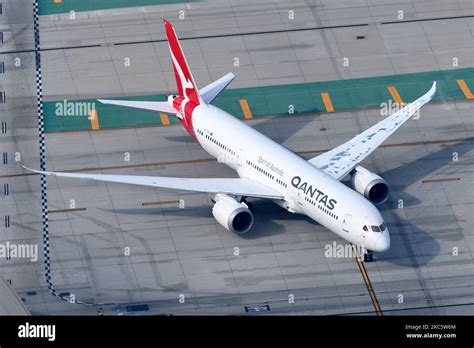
column 265, row 214
column 411, row 245
column 180, row 139
column 405, row 236
column 268, row 128
column 418, row 169
column 405, row 250
column 265, row 126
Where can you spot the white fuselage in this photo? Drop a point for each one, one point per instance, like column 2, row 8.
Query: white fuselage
column 305, row 188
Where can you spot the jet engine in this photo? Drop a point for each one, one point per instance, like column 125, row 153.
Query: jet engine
column 232, row 215
column 372, row 186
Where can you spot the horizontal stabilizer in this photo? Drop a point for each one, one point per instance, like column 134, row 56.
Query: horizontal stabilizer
column 146, row 105
column 211, row 91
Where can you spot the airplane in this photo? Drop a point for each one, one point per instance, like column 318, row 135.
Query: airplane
column 268, row 170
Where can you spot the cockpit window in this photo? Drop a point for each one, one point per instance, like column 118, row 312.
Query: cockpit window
column 375, row 228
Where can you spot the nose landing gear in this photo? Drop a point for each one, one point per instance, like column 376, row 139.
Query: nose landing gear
column 368, row 256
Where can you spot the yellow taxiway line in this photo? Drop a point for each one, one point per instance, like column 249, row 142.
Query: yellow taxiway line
column 327, row 102
column 393, row 91
column 367, row 282
column 465, row 89
column 245, row 108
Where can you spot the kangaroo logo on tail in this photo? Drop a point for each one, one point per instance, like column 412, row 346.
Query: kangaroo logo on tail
column 185, row 83
column 188, row 95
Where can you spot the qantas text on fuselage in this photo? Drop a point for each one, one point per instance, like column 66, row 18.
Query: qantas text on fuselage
column 313, row 192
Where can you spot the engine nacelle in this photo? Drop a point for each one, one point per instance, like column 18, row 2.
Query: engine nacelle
column 372, row 186
column 232, row 215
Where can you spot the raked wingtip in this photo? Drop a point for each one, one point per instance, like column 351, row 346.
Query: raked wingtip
column 432, row 90
column 30, row 170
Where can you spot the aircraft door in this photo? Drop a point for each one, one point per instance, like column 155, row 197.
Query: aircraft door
column 346, row 222
column 240, row 157
column 300, row 197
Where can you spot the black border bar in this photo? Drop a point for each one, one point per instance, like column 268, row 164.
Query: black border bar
column 219, row 330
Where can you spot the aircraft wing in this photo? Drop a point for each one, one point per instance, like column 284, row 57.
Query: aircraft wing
column 238, row 186
column 341, row 160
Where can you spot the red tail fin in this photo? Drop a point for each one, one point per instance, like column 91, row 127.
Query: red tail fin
column 184, row 79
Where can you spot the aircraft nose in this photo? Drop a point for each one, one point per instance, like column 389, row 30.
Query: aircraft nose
column 382, row 244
